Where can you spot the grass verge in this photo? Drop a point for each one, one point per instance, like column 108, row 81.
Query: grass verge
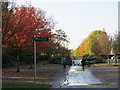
column 24, row 85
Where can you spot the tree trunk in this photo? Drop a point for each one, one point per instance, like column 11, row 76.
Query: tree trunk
column 18, row 65
column 116, row 62
column 44, row 61
column 108, row 60
column 31, row 62
column 44, row 58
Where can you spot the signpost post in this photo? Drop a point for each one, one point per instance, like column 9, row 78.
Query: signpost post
column 37, row 39
column 35, row 62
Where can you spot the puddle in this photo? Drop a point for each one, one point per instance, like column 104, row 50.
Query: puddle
column 76, row 77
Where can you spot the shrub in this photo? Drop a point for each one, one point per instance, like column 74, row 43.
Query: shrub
column 8, row 61
column 97, row 60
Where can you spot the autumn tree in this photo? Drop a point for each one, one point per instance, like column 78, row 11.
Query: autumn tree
column 97, row 43
column 116, row 47
column 85, row 47
column 76, row 53
column 102, row 45
column 20, row 25
column 116, row 43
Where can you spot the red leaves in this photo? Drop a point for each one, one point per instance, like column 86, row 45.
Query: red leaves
column 9, row 32
column 21, row 26
column 22, row 40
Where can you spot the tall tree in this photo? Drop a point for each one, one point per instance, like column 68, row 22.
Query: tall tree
column 102, row 45
column 116, row 43
column 85, row 47
column 97, row 43
column 60, row 41
column 76, row 53
column 61, row 37
column 20, row 25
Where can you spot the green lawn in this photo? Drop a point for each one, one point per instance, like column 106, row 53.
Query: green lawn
column 24, row 85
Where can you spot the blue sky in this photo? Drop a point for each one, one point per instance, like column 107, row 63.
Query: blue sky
column 78, row 19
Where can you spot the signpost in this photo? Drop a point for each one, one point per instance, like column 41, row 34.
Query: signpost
column 37, row 39
column 40, row 38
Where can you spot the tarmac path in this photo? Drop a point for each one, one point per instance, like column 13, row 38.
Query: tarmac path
column 58, row 77
column 76, row 78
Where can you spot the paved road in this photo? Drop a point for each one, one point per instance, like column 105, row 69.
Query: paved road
column 57, row 76
column 76, row 78
column 107, row 73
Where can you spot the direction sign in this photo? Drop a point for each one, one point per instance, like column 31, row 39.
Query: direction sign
column 37, row 39
column 40, row 38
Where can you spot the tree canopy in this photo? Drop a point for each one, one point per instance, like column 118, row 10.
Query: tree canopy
column 20, row 24
column 96, row 43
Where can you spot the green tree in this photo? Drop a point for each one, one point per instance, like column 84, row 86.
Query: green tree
column 59, row 46
column 61, row 37
column 76, row 53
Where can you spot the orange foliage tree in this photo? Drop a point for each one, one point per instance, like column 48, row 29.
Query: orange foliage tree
column 88, row 45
